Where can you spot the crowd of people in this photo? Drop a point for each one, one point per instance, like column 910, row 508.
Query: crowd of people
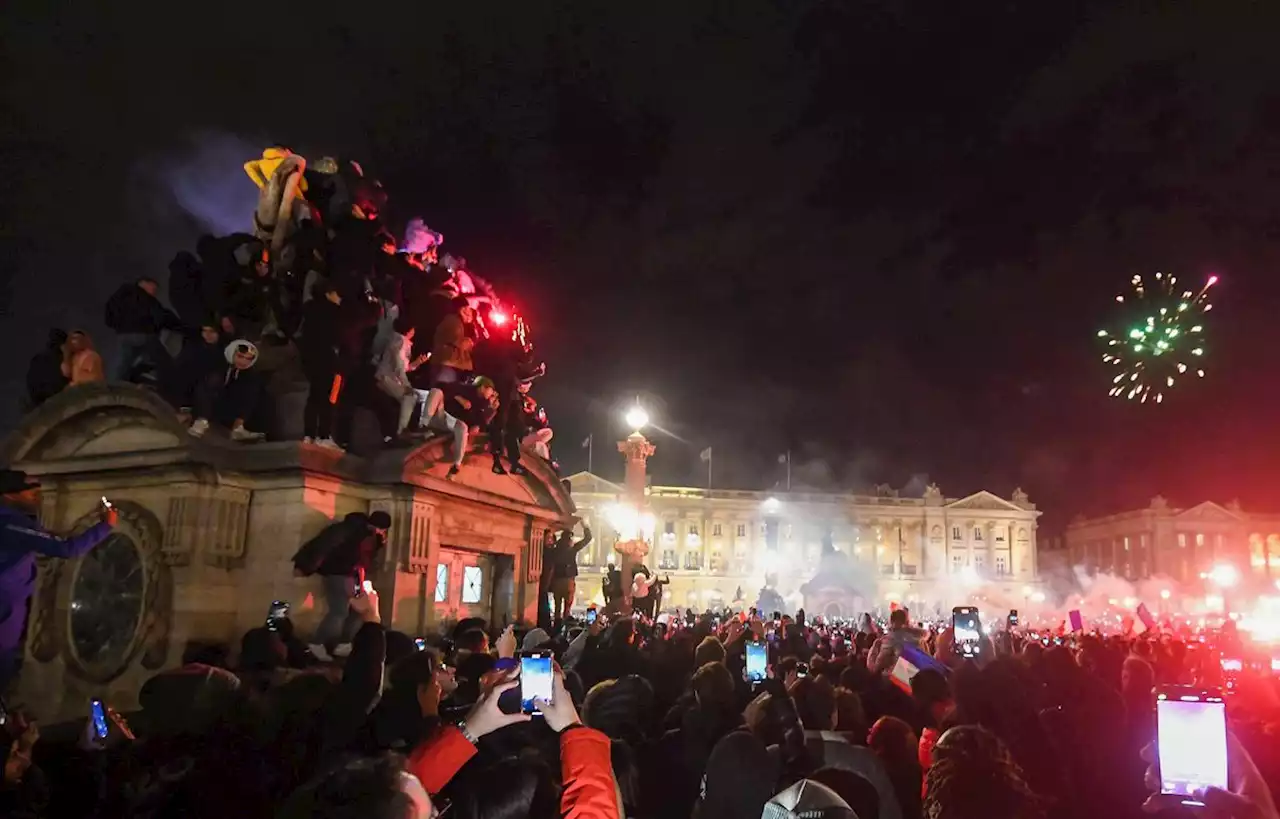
column 322, row 291
column 642, row 718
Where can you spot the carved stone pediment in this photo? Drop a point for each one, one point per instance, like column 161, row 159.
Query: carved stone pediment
column 1208, row 511
column 984, row 500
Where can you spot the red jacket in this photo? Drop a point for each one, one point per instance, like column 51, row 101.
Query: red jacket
column 586, row 768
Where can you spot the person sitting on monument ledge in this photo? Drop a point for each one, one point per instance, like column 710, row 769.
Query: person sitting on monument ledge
column 21, row 539
column 343, row 555
column 230, row 396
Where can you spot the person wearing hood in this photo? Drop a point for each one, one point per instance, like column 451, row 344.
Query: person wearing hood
column 200, row 356
column 44, row 373
column 22, row 539
column 320, row 342
column 81, row 363
column 454, row 340
column 231, row 396
column 343, row 555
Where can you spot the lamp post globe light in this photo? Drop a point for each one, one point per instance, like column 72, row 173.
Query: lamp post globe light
column 637, row 418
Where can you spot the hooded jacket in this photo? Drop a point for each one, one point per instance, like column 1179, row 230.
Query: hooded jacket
column 341, row 548
column 21, row 539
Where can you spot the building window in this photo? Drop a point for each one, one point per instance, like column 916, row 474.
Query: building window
column 786, row 533
column 668, row 560
column 1199, row 539
column 957, row 563
column 1000, row 535
column 472, row 584
column 442, row 582
column 693, row 560
column 693, row 530
column 742, row 530
column 669, row 528
column 977, row 533
column 955, row 533
column 1001, row 565
column 1126, row 543
column 978, row 563
column 1182, row 539
column 717, row 562
column 715, row 530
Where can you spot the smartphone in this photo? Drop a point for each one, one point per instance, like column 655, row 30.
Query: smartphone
column 802, row 669
column 1232, row 665
column 966, row 626
column 757, row 661
column 1191, row 740
column 535, row 680
column 1013, row 619
column 591, row 616
column 279, row 611
column 98, row 712
column 364, row 588
column 420, row 644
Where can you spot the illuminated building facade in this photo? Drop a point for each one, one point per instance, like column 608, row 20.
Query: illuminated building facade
column 717, row 544
column 1180, row 544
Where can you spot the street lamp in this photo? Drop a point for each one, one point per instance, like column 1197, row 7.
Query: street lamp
column 772, row 505
column 1224, row 575
column 637, row 418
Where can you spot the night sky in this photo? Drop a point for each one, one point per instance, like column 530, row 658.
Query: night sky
column 878, row 234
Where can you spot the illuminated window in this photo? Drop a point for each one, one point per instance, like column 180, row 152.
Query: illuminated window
column 742, row 530
column 716, row 564
column 693, row 530
column 957, row 563
column 442, row 582
column 955, row 533
column 1001, row 566
column 1126, row 544
column 977, row 562
column 693, row 560
column 669, row 528
column 1199, row 538
column 669, row 560
column 977, row 533
column 472, row 584
column 1000, row 535
column 1182, row 539
column 715, row 530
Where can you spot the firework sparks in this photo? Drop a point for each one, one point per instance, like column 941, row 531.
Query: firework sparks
column 1163, row 338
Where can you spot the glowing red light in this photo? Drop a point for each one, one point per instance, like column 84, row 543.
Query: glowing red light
column 1213, row 280
column 497, row 318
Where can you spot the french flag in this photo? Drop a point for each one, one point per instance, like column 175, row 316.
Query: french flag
column 911, row 662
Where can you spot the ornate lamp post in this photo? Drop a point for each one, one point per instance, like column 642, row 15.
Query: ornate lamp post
column 636, row 525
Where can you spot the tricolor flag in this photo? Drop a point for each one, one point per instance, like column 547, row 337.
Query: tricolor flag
column 911, row 662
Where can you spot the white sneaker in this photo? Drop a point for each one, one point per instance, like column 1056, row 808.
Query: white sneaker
column 198, row 427
column 342, row 650
column 329, row 443
column 242, row 434
column 319, row 652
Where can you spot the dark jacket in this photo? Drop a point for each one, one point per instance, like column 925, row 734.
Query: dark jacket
column 340, row 549
column 133, row 310
column 21, row 539
column 565, row 556
column 320, row 325
column 185, row 289
column 44, row 373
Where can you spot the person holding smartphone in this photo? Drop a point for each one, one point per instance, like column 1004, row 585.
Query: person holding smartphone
column 343, row 555
column 22, row 539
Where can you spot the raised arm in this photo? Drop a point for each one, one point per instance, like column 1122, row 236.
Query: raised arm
column 17, row 537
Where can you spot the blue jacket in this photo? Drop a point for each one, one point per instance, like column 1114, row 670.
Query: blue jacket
column 21, row 539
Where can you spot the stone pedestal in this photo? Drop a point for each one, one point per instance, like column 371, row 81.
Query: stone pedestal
column 209, row 528
column 633, row 549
